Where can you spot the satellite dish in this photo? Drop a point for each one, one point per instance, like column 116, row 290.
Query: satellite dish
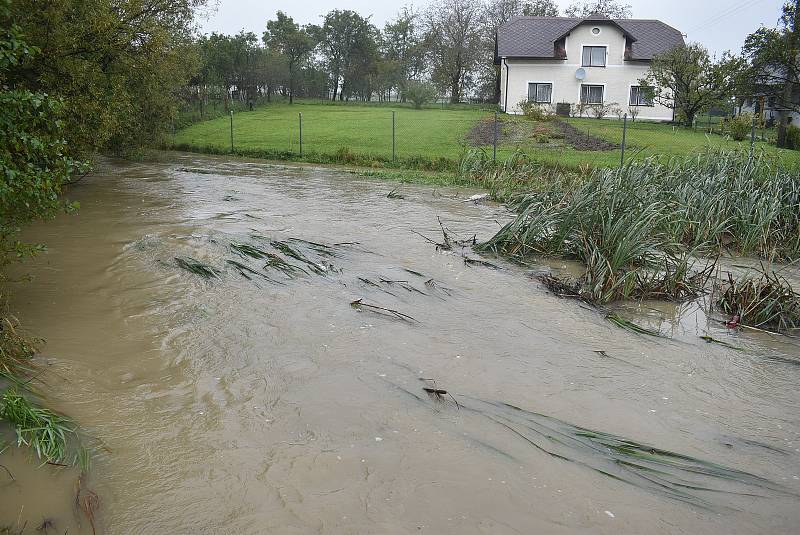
column 580, row 74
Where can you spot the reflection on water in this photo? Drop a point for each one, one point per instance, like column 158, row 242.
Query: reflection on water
column 263, row 402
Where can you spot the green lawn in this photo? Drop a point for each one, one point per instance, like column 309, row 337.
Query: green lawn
column 364, row 130
column 363, row 134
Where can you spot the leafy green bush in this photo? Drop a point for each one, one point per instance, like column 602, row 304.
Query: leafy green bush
column 537, row 112
column 793, row 137
column 419, row 93
column 740, row 126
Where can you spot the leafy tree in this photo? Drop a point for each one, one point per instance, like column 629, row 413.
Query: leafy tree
column 688, row 80
column 453, row 41
column 285, row 36
column 540, row 8
column 116, row 66
column 402, row 46
column 613, row 9
column 347, row 41
column 774, row 54
column 34, row 165
column 419, row 93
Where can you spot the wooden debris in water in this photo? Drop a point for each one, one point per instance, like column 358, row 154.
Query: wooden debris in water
column 395, row 195
column 359, row 304
column 197, row 267
column 437, row 393
column 87, row 501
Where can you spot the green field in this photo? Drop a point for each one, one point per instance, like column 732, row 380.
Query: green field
column 432, row 138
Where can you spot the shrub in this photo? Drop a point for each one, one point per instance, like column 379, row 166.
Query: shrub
column 793, row 137
column 537, row 112
column 740, row 126
column 419, row 93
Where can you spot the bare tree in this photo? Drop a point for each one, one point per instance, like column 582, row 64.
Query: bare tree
column 610, row 8
column 453, row 42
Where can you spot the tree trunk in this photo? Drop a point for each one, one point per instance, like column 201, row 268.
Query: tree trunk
column 455, row 91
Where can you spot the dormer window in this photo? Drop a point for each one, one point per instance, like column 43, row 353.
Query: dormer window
column 560, row 49
column 594, row 56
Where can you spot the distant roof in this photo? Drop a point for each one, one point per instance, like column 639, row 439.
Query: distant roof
column 534, row 37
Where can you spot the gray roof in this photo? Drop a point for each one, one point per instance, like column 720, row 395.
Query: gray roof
column 534, row 37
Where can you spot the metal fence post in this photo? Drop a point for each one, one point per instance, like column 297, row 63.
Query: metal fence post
column 231, row 131
column 494, row 139
column 753, row 136
column 301, row 134
column 394, row 145
column 624, row 133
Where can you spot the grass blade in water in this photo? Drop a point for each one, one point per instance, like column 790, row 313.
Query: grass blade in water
column 358, row 304
column 630, row 326
column 197, row 267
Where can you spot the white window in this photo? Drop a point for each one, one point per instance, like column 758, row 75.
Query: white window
column 541, row 93
column 639, row 96
column 592, row 94
column 594, row 56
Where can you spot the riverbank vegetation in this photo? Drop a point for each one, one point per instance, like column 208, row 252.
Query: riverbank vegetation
column 67, row 91
column 652, row 229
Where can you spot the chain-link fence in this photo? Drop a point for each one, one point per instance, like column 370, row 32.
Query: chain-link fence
column 437, row 137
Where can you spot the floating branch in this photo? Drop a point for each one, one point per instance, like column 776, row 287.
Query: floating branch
column 197, row 267
column 437, row 393
column 358, row 304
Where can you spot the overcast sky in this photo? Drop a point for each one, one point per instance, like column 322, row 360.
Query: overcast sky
column 718, row 24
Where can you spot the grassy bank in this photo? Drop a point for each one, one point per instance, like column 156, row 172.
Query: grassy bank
column 437, row 138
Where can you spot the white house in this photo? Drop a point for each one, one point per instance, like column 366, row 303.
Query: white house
column 593, row 60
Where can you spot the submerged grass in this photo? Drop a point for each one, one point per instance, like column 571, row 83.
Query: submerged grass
column 678, row 476
column 46, row 432
column 197, row 267
column 763, row 301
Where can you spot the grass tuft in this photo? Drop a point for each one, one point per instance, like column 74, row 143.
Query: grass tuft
column 43, row 430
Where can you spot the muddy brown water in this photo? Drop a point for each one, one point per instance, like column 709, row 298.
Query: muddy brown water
column 258, row 406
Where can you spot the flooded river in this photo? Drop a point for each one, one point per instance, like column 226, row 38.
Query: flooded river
column 263, row 402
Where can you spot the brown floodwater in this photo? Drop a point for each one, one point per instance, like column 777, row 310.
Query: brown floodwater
column 271, row 405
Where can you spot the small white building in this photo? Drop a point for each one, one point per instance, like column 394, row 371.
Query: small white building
column 593, row 60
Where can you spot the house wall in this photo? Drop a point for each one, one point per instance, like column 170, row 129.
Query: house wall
column 769, row 114
column 617, row 76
